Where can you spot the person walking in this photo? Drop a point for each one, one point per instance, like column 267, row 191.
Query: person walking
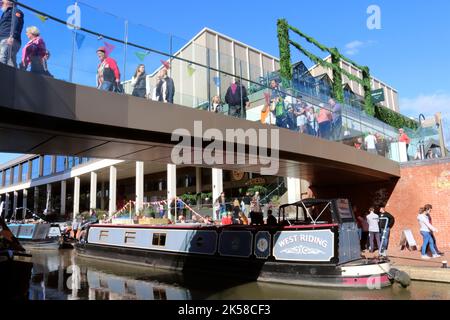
column 108, row 74
column 34, row 52
column 362, row 222
column 165, row 89
column 428, row 208
column 11, row 26
column 237, row 100
column 387, row 221
column 324, row 119
column 374, row 230
column 139, row 82
column 425, row 230
column 403, row 137
column 278, row 105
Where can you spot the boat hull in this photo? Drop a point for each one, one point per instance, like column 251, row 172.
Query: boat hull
column 358, row 274
column 15, row 275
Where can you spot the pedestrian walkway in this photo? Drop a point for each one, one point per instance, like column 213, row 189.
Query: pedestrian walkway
column 417, row 268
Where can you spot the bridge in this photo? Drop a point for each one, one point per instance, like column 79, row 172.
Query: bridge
column 42, row 115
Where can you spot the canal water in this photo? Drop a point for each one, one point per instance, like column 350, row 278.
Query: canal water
column 62, row 275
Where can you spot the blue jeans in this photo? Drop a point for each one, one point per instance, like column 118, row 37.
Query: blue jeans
column 8, row 53
column 427, row 239
column 385, row 240
column 107, row 86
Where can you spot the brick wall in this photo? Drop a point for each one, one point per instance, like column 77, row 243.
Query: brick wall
column 420, row 183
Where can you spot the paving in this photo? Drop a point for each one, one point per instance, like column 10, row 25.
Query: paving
column 419, row 269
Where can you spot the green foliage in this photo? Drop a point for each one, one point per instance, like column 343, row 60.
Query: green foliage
column 285, row 51
column 189, row 198
column 394, row 119
column 260, row 189
column 338, row 90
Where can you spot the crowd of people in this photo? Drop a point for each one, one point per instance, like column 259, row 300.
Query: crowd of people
column 375, row 229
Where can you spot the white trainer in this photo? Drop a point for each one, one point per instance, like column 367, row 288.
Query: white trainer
column 426, row 257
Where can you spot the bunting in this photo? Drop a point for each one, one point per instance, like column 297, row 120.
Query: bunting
column 141, row 55
column 108, row 48
column 165, row 64
column 41, row 17
column 217, row 81
column 79, row 38
column 190, row 70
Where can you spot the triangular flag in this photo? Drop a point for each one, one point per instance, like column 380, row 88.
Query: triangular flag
column 108, row 48
column 141, row 55
column 79, row 38
column 267, row 97
column 217, row 81
column 233, row 88
column 165, row 64
column 41, row 17
column 190, row 70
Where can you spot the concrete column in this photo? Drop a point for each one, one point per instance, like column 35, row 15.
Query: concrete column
column 102, row 198
column 171, row 187
column 139, row 186
column 36, row 199
column 217, row 182
column 112, row 190
column 198, row 180
column 15, row 196
column 5, row 214
column 76, row 197
column 48, row 202
column 24, row 202
column 63, row 197
column 41, row 166
column 294, row 190
column 93, row 193
column 29, row 170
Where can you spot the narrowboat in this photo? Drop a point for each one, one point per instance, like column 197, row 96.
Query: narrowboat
column 314, row 243
column 37, row 235
column 15, row 266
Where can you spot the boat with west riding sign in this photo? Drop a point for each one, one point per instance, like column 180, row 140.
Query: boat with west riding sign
column 315, row 243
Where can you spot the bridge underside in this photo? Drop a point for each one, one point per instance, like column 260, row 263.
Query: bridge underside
column 40, row 115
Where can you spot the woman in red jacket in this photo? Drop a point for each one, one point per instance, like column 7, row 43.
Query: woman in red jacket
column 108, row 74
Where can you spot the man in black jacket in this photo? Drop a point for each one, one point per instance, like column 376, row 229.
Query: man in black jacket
column 165, row 89
column 11, row 26
column 237, row 100
column 387, row 221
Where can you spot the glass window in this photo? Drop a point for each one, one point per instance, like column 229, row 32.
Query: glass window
column 25, row 168
column 76, row 161
column 16, row 174
column 60, row 164
column 47, row 165
column 1, row 178
column 7, row 177
column 35, row 168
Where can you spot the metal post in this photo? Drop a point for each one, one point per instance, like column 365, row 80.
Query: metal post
column 74, row 37
column 208, row 78
column 125, row 51
column 243, row 111
column 170, row 52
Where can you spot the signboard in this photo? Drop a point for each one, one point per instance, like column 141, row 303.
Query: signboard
column 407, row 241
column 307, row 246
column 344, row 209
column 378, row 96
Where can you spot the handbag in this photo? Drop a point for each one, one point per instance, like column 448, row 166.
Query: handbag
column 118, row 88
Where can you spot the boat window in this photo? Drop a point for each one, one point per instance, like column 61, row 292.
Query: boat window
column 159, row 293
column 103, row 235
column 130, row 237
column 319, row 213
column 159, row 239
column 344, row 210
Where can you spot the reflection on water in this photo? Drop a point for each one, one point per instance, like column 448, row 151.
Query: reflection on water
column 64, row 276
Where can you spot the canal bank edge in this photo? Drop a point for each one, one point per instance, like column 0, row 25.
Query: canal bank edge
column 429, row 274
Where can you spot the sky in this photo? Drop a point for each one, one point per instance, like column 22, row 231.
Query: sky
column 409, row 52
